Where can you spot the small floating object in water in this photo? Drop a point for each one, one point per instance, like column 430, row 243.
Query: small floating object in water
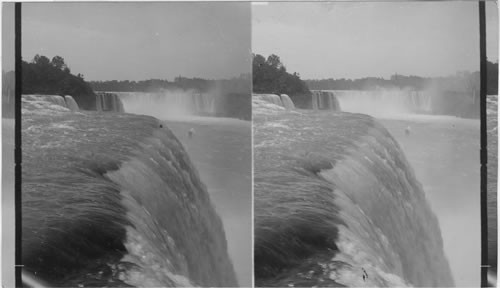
column 407, row 131
column 191, row 133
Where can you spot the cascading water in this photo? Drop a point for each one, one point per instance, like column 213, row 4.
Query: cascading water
column 282, row 100
column 325, row 100
column 170, row 104
column 40, row 104
column 287, row 102
column 271, row 98
column 492, row 137
column 108, row 102
column 184, row 112
column 43, row 99
column 336, row 203
column 112, row 199
column 384, row 102
column 104, row 102
column 388, row 103
column 71, row 103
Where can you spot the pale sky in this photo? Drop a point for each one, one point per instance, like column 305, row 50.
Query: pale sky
column 8, row 36
column 137, row 41
column 361, row 39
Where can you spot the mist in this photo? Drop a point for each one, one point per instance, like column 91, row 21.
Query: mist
column 167, row 104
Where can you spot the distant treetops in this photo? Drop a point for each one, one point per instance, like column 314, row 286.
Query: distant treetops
column 53, row 77
column 270, row 76
column 462, row 81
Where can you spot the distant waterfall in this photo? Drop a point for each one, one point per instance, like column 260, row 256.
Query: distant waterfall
column 108, row 102
column 400, row 102
column 325, row 100
column 204, row 103
column 169, row 104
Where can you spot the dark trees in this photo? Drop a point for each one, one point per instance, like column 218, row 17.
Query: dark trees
column 492, row 72
column 270, row 76
column 42, row 76
column 58, row 62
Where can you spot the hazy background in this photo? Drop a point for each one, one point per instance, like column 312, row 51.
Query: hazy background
column 379, row 39
column 137, row 41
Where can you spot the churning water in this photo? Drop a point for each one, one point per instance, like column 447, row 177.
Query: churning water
column 492, row 126
column 444, row 153
column 337, row 203
column 443, row 149
column 220, row 149
column 112, row 199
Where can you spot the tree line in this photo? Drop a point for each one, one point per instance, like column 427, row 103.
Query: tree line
column 151, row 85
column 270, row 76
column 53, row 77
column 155, row 85
column 463, row 81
